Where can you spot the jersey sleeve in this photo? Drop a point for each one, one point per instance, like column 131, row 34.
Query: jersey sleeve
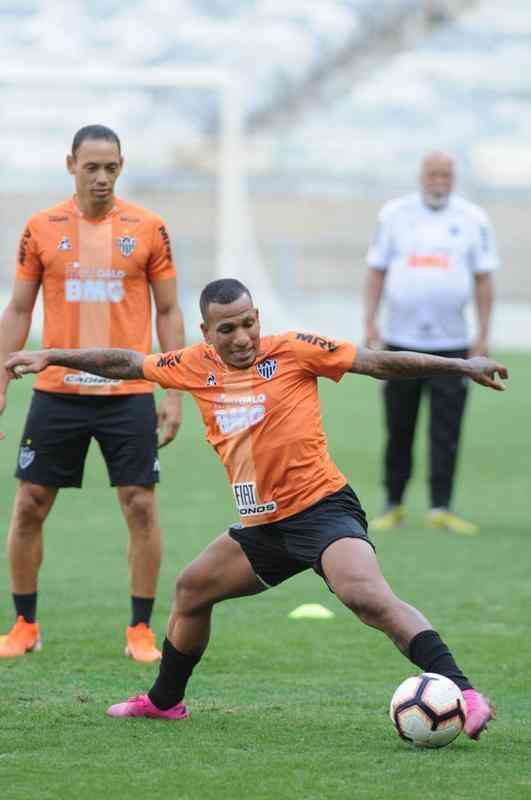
column 483, row 255
column 169, row 370
column 29, row 265
column 160, row 265
column 321, row 356
column 380, row 251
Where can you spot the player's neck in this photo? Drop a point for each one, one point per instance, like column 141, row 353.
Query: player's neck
column 94, row 210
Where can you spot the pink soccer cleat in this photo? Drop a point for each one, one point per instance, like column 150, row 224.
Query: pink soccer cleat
column 479, row 713
column 141, row 706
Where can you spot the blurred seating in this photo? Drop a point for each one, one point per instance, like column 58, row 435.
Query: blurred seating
column 466, row 88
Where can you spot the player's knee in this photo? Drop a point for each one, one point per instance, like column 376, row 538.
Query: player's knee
column 31, row 507
column 191, row 591
column 139, row 507
column 370, row 605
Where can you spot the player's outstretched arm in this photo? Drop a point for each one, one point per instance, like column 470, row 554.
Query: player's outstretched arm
column 107, row 362
column 386, row 365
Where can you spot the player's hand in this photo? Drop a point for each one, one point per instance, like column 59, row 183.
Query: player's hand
column 169, row 417
column 26, row 361
column 372, row 337
column 484, row 371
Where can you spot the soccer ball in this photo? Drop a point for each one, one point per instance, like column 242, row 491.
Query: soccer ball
column 428, row 710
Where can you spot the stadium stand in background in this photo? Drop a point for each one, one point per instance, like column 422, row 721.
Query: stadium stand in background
column 341, row 99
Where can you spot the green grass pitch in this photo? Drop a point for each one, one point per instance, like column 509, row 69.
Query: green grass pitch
column 280, row 708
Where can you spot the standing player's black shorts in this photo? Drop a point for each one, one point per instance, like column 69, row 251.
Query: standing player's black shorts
column 279, row 550
column 59, row 428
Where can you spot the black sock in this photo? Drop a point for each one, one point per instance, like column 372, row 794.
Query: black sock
column 429, row 652
column 141, row 610
column 174, row 672
column 26, row 605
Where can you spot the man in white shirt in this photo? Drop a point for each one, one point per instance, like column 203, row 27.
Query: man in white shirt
column 432, row 253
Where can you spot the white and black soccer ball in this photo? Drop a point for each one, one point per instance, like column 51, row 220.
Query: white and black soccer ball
column 428, row 710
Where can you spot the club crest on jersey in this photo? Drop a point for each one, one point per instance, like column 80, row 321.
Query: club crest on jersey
column 25, row 457
column 127, row 245
column 266, row 369
column 65, row 244
column 211, row 380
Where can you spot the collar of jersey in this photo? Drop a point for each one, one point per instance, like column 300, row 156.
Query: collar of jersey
column 77, row 211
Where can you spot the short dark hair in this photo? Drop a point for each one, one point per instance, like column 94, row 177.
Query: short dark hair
column 95, row 132
column 224, row 291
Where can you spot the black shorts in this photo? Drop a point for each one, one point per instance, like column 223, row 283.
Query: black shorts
column 279, row 550
column 59, row 428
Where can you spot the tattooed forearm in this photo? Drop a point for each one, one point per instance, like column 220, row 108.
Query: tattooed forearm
column 387, row 365
column 107, row 362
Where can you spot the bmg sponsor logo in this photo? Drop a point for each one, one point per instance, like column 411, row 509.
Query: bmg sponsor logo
column 235, row 420
column 87, row 285
column 98, row 291
column 247, row 502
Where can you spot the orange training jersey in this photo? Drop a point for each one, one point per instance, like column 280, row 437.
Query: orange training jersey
column 264, row 422
column 95, row 280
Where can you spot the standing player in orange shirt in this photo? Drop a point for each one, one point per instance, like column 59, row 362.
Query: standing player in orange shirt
column 98, row 260
column 259, row 402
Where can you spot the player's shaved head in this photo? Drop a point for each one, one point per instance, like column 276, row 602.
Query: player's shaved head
column 95, row 132
column 437, row 158
column 437, row 176
column 222, row 291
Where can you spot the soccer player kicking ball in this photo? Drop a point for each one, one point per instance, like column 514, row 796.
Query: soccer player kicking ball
column 259, row 401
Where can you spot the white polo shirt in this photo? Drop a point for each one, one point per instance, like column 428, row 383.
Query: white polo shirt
column 430, row 258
